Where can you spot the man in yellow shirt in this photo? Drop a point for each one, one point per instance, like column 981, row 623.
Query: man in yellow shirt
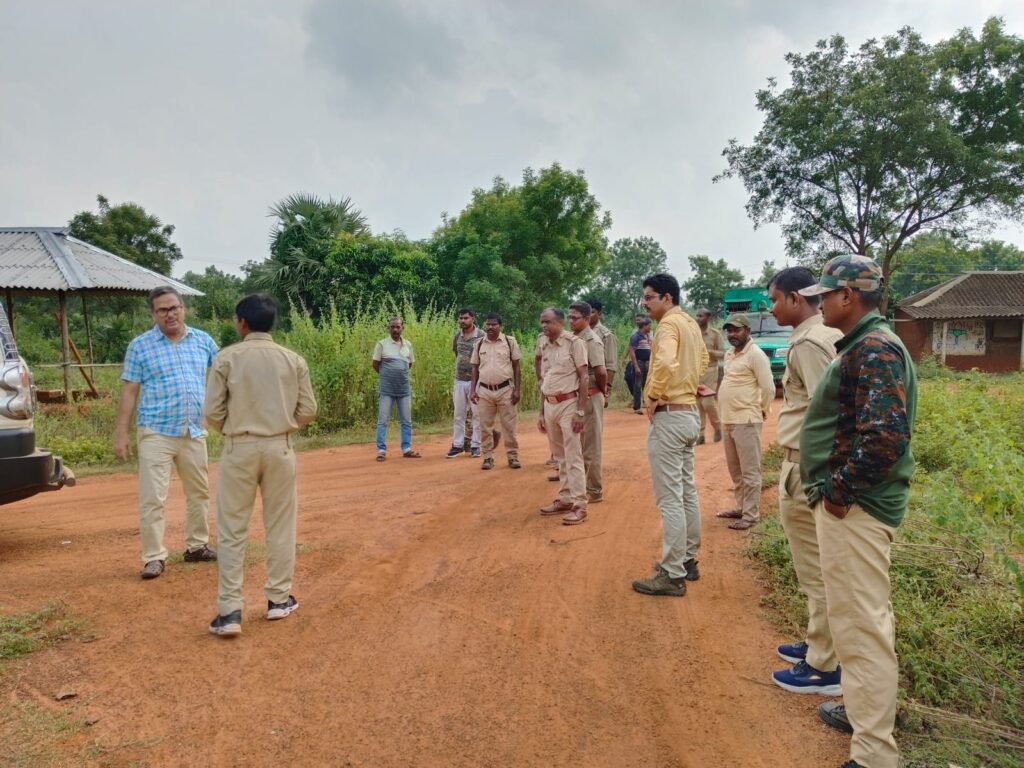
column 678, row 358
column 745, row 399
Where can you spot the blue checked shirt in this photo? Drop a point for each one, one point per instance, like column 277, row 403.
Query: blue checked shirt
column 173, row 379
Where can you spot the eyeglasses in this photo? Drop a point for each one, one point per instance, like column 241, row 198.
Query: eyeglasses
column 165, row 311
column 574, row 318
column 648, row 297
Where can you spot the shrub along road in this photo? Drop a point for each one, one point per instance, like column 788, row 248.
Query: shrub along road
column 443, row 622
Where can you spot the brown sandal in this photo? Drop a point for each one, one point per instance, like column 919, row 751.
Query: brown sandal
column 410, row 454
column 730, row 514
column 742, row 525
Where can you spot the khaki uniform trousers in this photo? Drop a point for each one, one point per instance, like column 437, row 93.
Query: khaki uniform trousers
column 798, row 522
column 709, row 405
column 743, row 457
column 670, row 440
column 593, row 430
column 567, row 447
column 855, row 566
column 497, row 404
column 157, row 454
column 248, row 463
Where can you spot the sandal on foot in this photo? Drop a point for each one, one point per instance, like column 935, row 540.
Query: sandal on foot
column 381, row 457
column 731, row 514
column 742, row 525
column 410, row 454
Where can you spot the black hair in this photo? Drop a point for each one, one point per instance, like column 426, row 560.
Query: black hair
column 259, row 310
column 645, row 321
column 871, row 299
column 792, row 279
column 161, row 290
column 582, row 307
column 594, row 302
column 662, row 283
column 494, row 316
column 466, row 311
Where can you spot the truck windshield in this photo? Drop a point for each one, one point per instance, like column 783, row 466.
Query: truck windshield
column 765, row 324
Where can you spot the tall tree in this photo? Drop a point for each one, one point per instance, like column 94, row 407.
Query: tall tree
column 128, row 231
column 221, row 293
column 304, row 232
column 768, row 271
column 865, row 149
column 710, row 280
column 514, row 249
column 618, row 281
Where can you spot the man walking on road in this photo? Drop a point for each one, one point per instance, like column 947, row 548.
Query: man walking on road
column 597, row 383
column 259, row 395
column 167, row 364
column 678, row 358
column 392, row 359
column 811, row 349
column 564, row 398
column 856, row 465
column 745, row 398
column 463, row 343
column 708, row 403
column 495, row 389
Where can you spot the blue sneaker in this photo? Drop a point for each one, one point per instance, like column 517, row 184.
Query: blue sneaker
column 228, row 625
column 803, row 678
column 794, row 653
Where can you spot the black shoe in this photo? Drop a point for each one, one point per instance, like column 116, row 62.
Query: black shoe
column 700, row 440
column 277, row 611
column 152, row 569
column 692, row 572
column 833, row 713
column 227, row 625
column 852, row 764
column 202, row 555
column 453, row 452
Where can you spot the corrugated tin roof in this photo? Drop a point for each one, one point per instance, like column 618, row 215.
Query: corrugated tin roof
column 48, row 259
column 971, row 295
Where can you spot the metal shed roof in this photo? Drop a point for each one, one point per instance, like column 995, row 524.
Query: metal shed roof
column 48, row 259
column 971, row 295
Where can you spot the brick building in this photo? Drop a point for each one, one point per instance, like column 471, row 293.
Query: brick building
column 975, row 320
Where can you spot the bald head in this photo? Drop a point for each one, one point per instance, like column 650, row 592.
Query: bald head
column 552, row 322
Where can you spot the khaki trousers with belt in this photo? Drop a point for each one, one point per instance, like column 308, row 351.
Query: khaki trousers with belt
column 855, row 566
column 247, row 464
column 593, row 430
column 157, row 455
column 497, row 403
column 798, row 522
column 743, row 457
column 567, row 447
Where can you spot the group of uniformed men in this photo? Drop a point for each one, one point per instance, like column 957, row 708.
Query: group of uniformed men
column 845, row 425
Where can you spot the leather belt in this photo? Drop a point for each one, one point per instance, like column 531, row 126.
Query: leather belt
column 793, row 455
column 675, row 407
column 593, row 390
column 560, row 398
column 494, row 387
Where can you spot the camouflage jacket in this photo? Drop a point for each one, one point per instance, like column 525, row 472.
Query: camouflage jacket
column 855, row 443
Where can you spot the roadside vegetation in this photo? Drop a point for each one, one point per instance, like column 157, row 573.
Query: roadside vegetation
column 958, row 590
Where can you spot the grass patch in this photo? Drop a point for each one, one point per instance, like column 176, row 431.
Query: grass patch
column 30, row 631
column 771, row 465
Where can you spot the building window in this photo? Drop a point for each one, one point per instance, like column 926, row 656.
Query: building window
column 1006, row 330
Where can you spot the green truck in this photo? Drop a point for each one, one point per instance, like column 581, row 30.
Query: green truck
column 772, row 338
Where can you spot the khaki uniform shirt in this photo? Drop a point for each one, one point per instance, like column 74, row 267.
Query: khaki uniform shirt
column 678, row 358
column 611, row 347
column 748, row 388
column 812, row 346
column 257, row 387
column 595, row 353
column 714, row 341
column 495, row 359
column 560, row 360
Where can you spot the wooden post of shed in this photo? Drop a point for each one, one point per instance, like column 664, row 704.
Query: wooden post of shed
column 64, row 346
column 88, row 334
column 10, row 311
column 1022, row 345
column 945, row 334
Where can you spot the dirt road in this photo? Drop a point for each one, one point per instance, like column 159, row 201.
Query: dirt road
column 442, row 623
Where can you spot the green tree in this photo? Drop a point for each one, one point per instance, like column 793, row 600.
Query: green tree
column 304, row 232
column 864, row 150
column 129, row 232
column 618, row 282
column 768, row 271
column 222, row 292
column 514, row 249
column 710, row 280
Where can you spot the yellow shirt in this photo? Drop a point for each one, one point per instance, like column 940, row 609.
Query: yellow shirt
column 257, row 387
column 560, row 360
column 811, row 349
column 678, row 358
column 747, row 389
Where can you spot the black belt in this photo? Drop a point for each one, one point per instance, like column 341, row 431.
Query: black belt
column 494, row 387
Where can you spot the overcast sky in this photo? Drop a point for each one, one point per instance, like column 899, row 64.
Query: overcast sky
column 206, row 113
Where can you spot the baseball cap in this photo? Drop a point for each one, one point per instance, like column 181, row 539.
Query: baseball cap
column 848, row 271
column 738, row 321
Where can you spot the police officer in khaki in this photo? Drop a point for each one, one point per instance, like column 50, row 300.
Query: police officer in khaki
column 714, row 342
column 608, row 339
column 597, row 384
column 494, row 389
column 257, row 395
column 563, row 406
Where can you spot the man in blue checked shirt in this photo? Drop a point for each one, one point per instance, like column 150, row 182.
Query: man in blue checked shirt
column 168, row 365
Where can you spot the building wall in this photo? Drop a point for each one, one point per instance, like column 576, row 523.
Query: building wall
column 1001, row 355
